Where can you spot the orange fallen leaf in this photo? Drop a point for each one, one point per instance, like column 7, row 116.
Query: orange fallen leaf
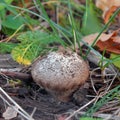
column 117, row 39
column 109, row 13
column 105, row 5
column 109, row 46
column 104, row 37
column 109, row 42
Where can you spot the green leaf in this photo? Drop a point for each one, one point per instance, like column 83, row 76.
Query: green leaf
column 4, row 3
column 115, row 59
column 6, row 47
column 12, row 22
column 90, row 23
column 32, row 45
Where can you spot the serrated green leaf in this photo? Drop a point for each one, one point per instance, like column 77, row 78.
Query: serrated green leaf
column 12, row 22
column 90, row 23
column 115, row 59
column 6, row 47
column 31, row 46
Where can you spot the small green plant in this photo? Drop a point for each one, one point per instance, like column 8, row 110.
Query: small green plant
column 32, row 44
column 6, row 47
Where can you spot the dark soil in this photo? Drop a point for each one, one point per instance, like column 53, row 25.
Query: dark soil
column 30, row 96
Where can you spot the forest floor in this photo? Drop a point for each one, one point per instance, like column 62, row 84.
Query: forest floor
column 41, row 105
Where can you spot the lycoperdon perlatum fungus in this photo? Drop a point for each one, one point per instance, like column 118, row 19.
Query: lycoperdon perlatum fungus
column 60, row 73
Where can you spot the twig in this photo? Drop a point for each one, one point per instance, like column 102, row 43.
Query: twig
column 19, row 110
column 95, row 57
column 75, row 112
column 18, row 75
column 34, row 110
column 92, row 83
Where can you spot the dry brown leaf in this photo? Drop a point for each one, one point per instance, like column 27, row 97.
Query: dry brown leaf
column 104, row 37
column 109, row 46
column 109, row 13
column 117, row 39
column 105, row 5
column 108, row 42
column 90, row 38
column 10, row 113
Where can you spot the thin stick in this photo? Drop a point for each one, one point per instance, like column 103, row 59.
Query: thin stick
column 75, row 112
column 24, row 113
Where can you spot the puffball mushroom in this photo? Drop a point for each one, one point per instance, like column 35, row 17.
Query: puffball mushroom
column 60, row 73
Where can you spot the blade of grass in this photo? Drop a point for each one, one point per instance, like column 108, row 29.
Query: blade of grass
column 62, row 30
column 73, row 31
column 56, row 26
column 43, row 18
column 104, row 28
column 109, row 96
column 42, row 11
column 74, row 28
column 9, row 38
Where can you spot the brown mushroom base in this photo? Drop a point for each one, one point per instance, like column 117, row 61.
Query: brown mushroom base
column 63, row 96
column 61, row 93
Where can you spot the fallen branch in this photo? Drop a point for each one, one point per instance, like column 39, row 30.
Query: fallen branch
column 18, row 75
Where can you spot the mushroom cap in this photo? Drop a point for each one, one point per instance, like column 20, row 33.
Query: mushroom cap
column 60, row 74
